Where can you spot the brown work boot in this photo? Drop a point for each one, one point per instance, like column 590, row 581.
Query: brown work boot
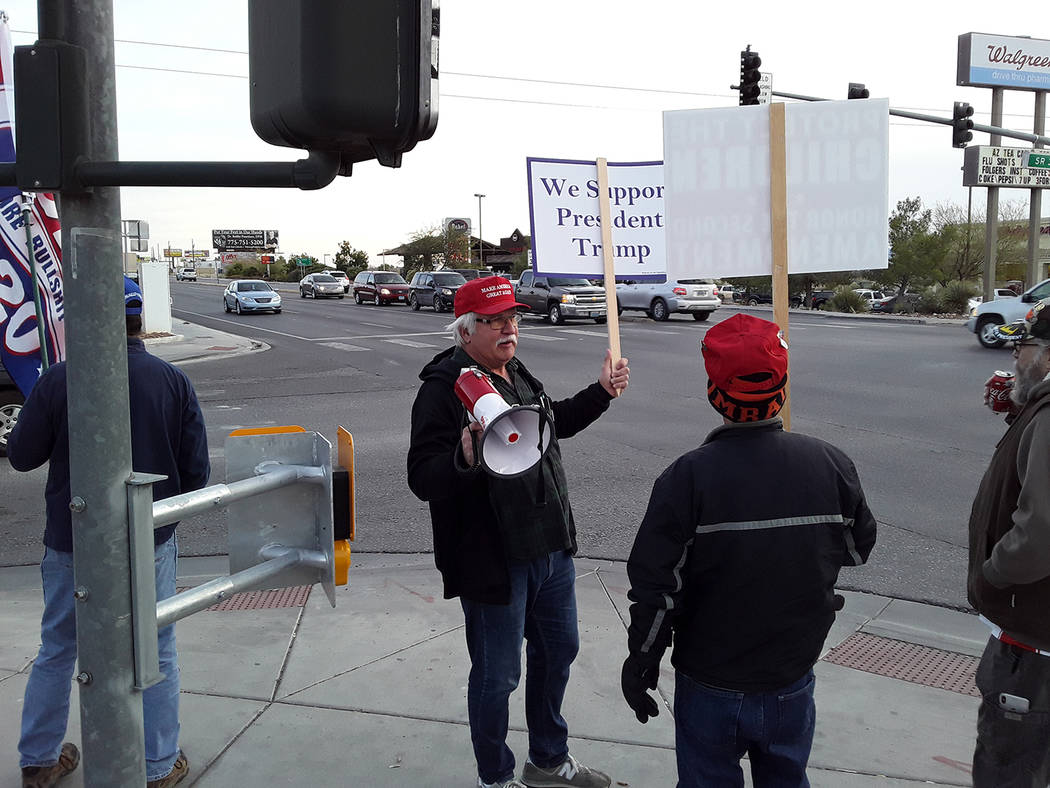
column 175, row 776
column 46, row 776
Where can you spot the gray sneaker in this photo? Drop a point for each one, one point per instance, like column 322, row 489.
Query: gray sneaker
column 570, row 774
column 511, row 783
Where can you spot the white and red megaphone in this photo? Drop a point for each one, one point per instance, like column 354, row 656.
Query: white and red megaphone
column 514, row 438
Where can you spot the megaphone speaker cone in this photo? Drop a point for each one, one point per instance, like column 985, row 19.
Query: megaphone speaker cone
column 515, row 441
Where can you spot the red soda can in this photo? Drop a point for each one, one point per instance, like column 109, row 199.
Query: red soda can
column 997, row 391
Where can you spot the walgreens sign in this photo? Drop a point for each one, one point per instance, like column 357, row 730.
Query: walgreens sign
column 1003, row 62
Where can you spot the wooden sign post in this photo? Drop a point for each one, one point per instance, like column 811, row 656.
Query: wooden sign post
column 605, row 216
column 778, row 225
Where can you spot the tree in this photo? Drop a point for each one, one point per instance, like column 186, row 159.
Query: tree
column 351, row 260
column 422, row 250
column 964, row 242
column 915, row 251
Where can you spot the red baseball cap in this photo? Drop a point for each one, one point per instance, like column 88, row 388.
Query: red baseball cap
column 488, row 295
column 746, row 359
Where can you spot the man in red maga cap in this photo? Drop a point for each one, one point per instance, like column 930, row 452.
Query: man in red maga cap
column 504, row 545
column 737, row 556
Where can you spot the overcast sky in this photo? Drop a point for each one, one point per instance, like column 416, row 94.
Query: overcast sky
column 661, row 54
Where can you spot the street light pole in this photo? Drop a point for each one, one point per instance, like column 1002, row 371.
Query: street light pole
column 481, row 248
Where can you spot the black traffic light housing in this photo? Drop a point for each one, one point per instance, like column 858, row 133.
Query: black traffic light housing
column 857, row 91
column 961, row 124
column 357, row 78
column 749, row 76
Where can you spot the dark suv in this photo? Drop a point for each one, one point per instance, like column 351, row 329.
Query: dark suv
column 11, row 400
column 434, row 288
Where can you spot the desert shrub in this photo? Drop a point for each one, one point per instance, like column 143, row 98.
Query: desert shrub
column 929, row 302
column 956, row 295
column 845, row 300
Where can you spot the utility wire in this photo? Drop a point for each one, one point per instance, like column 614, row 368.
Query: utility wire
column 563, row 83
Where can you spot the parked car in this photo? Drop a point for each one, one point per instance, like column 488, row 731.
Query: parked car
column 186, row 275
column 11, row 401
column 725, row 292
column 472, row 273
column 697, row 297
column 870, row 296
column 559, row 298
column 342, row 278
column 251, row 295
column 991, row 314
column 889, row 303
column 320, row 286
column 753, row 297
column 434, row 288
column 380, row 287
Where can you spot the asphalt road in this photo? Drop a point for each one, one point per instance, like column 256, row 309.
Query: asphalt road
column 902, row 400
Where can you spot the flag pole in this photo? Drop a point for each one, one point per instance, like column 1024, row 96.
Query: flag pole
column 27, row 220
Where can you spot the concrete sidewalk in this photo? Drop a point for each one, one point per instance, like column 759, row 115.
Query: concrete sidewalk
column 287, row 691
column 190, row 342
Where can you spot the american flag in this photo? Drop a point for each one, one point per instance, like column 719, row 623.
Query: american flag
column 19, row 336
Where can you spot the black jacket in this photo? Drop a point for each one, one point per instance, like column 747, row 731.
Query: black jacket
column 468, row 549
column 167, row 437
column 739, row 552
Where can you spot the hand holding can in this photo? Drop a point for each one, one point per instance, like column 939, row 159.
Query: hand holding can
column 997, row 391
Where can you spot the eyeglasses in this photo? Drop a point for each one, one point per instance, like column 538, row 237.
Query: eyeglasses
column 500, row 323
column 1019, row 345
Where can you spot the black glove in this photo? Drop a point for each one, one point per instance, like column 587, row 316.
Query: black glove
column 635, row 678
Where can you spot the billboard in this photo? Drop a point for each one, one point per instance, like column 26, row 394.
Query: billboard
column 992, row 61
column 223, row 240
column 1018, row 168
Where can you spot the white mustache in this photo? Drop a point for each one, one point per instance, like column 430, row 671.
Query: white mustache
column 507, row 341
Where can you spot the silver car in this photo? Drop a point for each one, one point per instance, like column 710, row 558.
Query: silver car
column 251, row 295
column 698, row 297
column 320, row 286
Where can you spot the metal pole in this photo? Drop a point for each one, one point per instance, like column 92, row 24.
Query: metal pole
column 100, row 444
column 991, row 229
column 27, row 220
column 1035, row 204
column 969, row 226
column 481, row 241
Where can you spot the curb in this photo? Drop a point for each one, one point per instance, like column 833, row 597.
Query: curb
column 912, row 321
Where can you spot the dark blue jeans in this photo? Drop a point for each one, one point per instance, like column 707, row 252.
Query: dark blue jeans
column 542, row 610
column 715, row 727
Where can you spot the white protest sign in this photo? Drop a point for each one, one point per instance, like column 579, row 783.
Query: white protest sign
column 716, row 164
column 566, row 229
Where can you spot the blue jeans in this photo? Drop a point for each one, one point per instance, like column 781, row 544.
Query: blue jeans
column 542, row 610
column 45, row 711
column 715, row 727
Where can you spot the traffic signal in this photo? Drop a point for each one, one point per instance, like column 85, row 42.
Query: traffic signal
column 355, row 78
column 749, row 76
column 961, row 124
column 857, row 91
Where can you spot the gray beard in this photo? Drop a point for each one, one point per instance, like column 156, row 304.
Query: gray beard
column 1024, row 381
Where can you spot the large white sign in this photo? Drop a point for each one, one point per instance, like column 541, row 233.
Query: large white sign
column 566, row 228
column 716, row 170
column 1003, row 62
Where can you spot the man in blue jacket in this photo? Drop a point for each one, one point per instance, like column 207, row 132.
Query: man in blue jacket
column 167, row 437
column 737, row 556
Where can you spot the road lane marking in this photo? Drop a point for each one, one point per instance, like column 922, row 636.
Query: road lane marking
column 542, row 337
column 241, row 325
column 382, row 336
column 580, row 332
column 343, row 346
column 408, row 343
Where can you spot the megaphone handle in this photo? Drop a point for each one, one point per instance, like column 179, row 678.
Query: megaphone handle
column 475, row 447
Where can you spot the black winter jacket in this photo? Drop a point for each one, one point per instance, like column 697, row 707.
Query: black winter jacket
column 738, row 555
column 468, row 549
